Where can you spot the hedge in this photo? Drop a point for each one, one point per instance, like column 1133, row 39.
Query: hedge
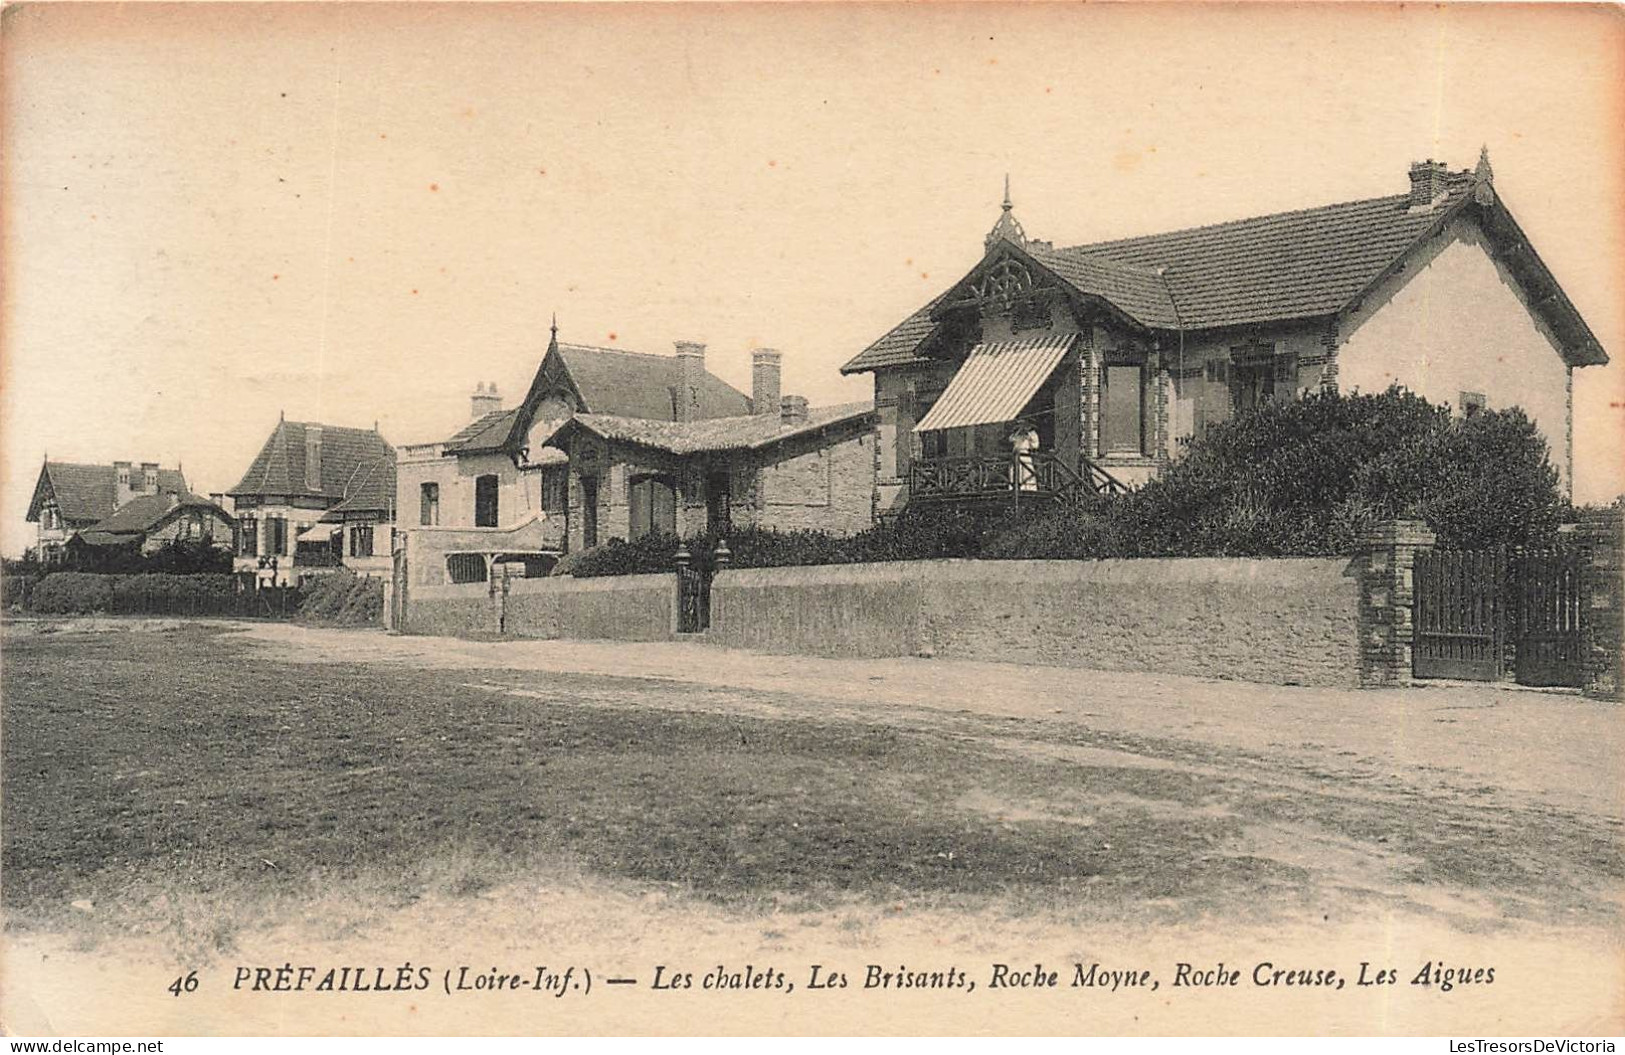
column 1303, row 477
column 343, row 599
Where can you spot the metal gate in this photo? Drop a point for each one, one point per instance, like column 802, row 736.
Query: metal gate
column 693, row 596
column 1457, row 626
column 1547, row 619
column 1473, row 608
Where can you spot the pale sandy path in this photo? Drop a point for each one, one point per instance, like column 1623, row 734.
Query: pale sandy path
column 1560, row 749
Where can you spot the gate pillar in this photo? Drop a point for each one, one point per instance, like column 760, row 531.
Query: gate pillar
column 1600, row 537
column 1386, row 597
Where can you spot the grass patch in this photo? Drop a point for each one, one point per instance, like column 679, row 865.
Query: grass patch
column 189, row 759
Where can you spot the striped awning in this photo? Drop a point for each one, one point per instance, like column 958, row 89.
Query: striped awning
column 996, row 381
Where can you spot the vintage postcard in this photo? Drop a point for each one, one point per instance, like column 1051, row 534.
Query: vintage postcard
column 812, row 519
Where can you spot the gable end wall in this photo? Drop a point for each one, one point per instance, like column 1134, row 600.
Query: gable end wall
column 1453, row 321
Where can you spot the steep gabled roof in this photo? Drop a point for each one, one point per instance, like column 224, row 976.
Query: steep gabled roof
column 749, row 432
column 609, row 381
column 86, row 493
column 279, row 468
column 371, row 488
column 1283, row 267
column 141, row 515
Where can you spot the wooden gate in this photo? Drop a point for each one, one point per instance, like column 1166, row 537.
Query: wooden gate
column 1471, row 605
column 1547, row 619
column 1458, row 622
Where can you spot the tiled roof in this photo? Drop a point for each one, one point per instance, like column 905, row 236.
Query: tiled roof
column 485, row 433
column 140, row 515
column 640, row 385
column 1289, row 265
column 371, row 488
column 900, row 344
column 748, row 432
column 279, row 468
column 1280, row 267
column 87, row 493
column 610, row 381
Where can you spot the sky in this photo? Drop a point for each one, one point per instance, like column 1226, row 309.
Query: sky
column 214, row 215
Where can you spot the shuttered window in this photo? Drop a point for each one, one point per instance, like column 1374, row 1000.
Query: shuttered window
column 1123, row 415
column 653, row 502
column 485, row 501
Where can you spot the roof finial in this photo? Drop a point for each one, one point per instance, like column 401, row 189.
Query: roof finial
column 1484, row 178
column 1008, row 229
column 555, row 326
column 281, row 415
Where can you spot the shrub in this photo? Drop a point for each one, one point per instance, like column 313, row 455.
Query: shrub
column 156, row 594
column 183, row 557
column 1312, row 476
column 342, row 598
column 72, row 593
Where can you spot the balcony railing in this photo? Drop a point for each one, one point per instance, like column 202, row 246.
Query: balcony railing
column 1035, row 474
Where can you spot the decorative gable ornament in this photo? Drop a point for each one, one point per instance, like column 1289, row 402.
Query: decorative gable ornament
column 1003, row 283
column 1007, row 228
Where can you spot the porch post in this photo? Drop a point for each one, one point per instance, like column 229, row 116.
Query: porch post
column 1386, row 598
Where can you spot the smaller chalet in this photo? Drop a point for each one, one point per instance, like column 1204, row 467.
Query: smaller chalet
column 609, row 443
column 147, row 523
column 71, row 497
column 315, row 498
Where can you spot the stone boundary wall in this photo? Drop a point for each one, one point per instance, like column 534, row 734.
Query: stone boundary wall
column 619, row 608
column 614, row 608
column 1278, row 621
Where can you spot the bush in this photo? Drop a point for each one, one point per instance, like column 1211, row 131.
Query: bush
column 1310, row 477
column 173, row 594
column 1305, row 477
column 185, row 557
column 342, row 598
column 72, row 593
column 922, row 533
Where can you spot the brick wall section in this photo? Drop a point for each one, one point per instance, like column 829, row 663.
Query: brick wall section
column 1288, row 621
column 1385, row 575
column 1601, row 537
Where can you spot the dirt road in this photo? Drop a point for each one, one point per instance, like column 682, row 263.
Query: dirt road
column 1448, row 829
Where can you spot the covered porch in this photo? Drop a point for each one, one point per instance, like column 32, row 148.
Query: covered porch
column 1006, row 428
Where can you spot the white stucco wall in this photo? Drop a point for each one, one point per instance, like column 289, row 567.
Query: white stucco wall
column 1454, row 322
column 518, row 493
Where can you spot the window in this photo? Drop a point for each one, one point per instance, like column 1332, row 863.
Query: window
column 653, row 502
column 719, row 502
column 361, row 540
column 248, row 536
column 526, row 565
column 1122, row 399
column 276, row 536
column 485, row 501
column 429, row 505
column 554, row 482
column 1472, row 403
column 466, row 567
column 589, row 511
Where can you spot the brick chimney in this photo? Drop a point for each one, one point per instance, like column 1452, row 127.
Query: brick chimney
column 122, row 489
column 1427, row 182
column 764, row 381
column 793, row 410
column 149, row 478
column 313, row 457
column 485, row 400
column 690, row 380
